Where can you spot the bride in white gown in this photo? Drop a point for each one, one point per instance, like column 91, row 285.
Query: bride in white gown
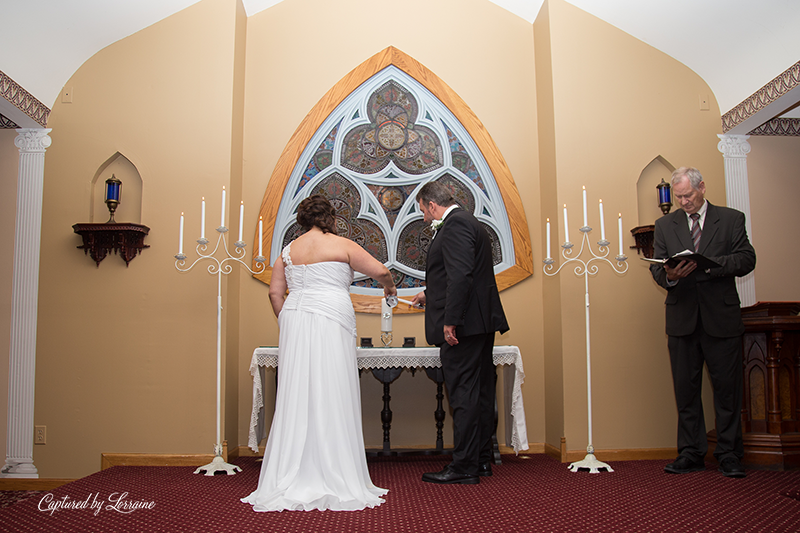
column 315, row 457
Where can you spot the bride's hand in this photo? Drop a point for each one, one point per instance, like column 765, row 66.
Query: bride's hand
column 390, row 291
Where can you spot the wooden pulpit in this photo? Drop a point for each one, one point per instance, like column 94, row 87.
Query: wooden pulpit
column 771, row 365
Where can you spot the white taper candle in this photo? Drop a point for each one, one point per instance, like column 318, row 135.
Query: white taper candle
column 241, row 219
column 180, row 240
column 548, row 239
column 260, row 233
column 602, row 223
column 566, row 225
column 585, row 217
column 222, row 215
column 203, row 217
column 620, row 234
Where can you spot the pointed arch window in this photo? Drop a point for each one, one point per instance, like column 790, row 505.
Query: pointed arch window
column 371, row 152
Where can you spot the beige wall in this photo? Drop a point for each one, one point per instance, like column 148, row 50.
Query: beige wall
column 206, row 98
column 617, row 104
column 125, row 355
column 772, row 169
column 9, row 165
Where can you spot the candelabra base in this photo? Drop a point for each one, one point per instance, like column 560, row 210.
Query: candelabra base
column 218, row 465
column 590, row 462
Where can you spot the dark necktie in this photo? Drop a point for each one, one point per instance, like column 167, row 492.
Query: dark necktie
column 696, row 231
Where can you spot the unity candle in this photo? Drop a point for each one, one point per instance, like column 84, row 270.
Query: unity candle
column 386, row 316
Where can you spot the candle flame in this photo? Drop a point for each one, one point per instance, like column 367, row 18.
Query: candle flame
column 181, row 213
column 203, row 198
column 584, row 187
column 548, row 220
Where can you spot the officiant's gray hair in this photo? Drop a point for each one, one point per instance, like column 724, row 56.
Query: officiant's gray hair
column 691, row 174
column 436, row 192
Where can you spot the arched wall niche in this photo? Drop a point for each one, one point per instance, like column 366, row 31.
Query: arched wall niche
column 282, row 193
column 130, row 205
column 647, row 194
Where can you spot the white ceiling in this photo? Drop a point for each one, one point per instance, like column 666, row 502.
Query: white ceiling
column 736, row 46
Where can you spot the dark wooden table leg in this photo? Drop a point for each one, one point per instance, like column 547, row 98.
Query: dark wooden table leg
column 437, row 375
column 386, row 376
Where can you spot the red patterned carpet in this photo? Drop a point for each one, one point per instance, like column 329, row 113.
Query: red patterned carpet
column 527, row 493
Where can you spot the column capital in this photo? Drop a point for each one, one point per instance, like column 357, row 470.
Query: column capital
column 33, row 140
column 733, row 145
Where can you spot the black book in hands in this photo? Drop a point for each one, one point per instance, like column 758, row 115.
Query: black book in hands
column 702, row 261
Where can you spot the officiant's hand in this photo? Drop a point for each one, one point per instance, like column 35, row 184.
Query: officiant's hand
column 389, row 291
column 683, row 269
column 450, row 335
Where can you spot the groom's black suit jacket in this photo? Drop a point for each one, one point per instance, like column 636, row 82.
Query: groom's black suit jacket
column 460, row 286
column 711, row 295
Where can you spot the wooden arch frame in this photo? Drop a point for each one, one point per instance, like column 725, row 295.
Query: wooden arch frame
column 523, row 266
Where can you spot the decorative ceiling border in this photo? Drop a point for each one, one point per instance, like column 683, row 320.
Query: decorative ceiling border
column 23, row 100
column 769, row 93
column 523, row 267
column 780, row 127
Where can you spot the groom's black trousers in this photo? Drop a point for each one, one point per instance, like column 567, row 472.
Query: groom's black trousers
column 470, row 378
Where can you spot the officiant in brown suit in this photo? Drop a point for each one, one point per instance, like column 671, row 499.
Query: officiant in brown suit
column 462, row 314
column 703, row 319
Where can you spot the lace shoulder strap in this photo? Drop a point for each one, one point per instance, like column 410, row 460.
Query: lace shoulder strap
column 287, row 259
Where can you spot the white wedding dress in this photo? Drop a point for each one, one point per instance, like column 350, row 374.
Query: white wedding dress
column 315, row 457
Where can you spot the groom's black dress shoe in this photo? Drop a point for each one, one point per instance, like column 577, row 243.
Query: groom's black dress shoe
column 449, row 476
column 731, row 467
column 684, row 465
column 485, row 469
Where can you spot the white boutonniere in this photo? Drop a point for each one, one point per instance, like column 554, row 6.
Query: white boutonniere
column 436, row 224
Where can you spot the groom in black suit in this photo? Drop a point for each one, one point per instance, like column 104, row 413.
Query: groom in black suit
column 704, row 321
column 462, row 313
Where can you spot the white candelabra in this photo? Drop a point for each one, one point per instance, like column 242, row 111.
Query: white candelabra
column 585, row 268
column 218, row 268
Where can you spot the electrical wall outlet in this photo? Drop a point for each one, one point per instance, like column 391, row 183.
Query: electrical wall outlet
column 40, row 434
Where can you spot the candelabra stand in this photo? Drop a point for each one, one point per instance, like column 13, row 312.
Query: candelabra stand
column 218, row 268
column 585, row 268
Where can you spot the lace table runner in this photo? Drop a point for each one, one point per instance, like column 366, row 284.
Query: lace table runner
column 426, row 357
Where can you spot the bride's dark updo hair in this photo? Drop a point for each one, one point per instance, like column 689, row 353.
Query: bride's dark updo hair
column 317, row 211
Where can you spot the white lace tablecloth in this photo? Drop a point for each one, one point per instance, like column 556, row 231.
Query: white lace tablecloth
column 507, row 356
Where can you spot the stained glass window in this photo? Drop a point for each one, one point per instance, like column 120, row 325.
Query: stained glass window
column 371, row 155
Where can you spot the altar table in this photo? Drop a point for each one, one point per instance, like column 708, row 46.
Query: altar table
column 386, row 359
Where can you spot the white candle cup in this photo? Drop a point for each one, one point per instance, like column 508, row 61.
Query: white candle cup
column 566, row 226
column 241, row 220
column 386, row 316
column 620, row 234
column 602, row 223
column 260, row 233
column 585, row 217
column 548, row 239
column 180, row 240
column 203, row 218
column 222, row 216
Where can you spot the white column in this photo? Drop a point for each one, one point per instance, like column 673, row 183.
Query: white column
column 32, row 143
column 734, row 150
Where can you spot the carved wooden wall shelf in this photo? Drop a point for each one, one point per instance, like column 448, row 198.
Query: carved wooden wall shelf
column 99, row 240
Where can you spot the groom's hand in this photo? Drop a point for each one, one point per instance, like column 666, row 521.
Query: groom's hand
column 450, row 335
column 418, row 301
